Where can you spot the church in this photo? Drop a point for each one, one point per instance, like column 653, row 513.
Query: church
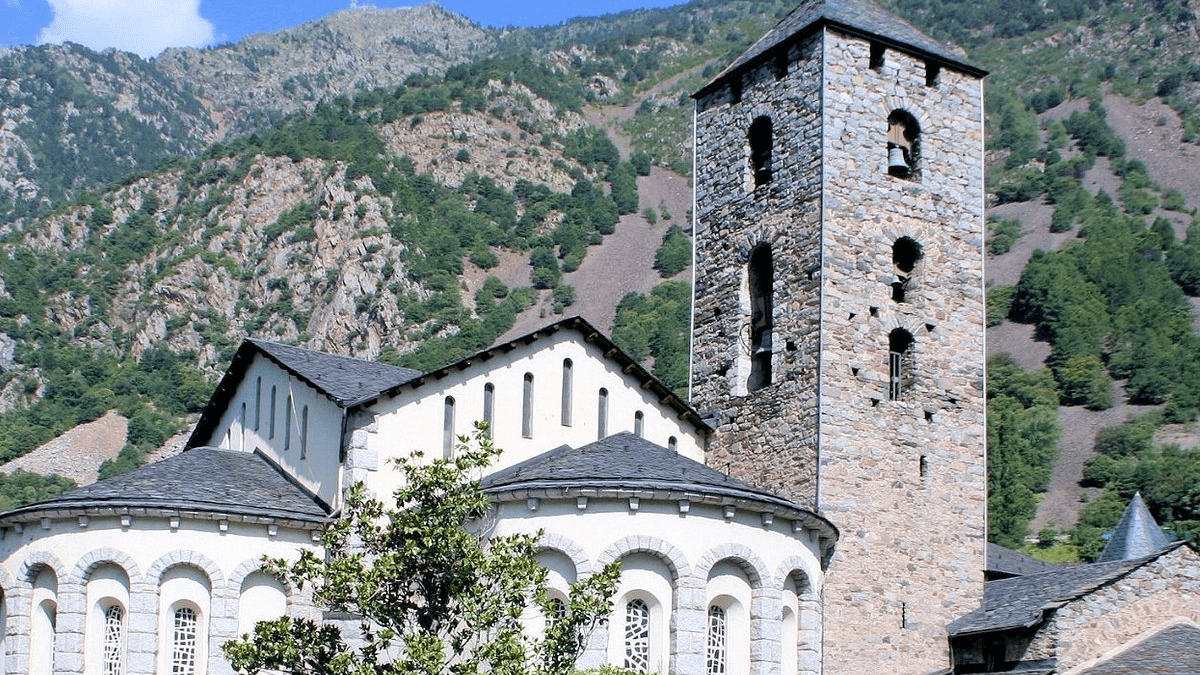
column 818, row 505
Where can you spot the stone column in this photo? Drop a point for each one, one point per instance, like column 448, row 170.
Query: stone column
column 69, row 634
column 766, row 652
column 19, row 606
column 690, row 622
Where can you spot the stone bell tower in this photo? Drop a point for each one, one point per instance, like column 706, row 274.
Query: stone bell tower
column 839, row 313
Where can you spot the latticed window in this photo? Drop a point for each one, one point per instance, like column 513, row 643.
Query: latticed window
column 717, row 631
column 555, row 610
column 637, row 636
column 114, row 641
column 183, row 642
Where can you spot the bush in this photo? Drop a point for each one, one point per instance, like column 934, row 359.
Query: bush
column 1004, row 234
column 675, row 253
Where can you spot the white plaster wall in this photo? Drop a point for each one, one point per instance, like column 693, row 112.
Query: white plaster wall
column 318, row 469
column 413, row 420
column 692, row 545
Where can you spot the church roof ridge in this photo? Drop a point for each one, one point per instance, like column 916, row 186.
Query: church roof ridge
column 200, row 480
column 1136, row 535
column 862, row 17
column 627, row 463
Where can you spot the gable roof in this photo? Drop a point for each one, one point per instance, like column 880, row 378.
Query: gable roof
column 1136, row 535
column 199, row 481
column 625, row 464
column 858, row 17
column 1170, row 651
column 1005, row 562
column 1021, row 602
column 353, row 383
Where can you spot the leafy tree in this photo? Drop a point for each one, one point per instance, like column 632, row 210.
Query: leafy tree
column 434, row 595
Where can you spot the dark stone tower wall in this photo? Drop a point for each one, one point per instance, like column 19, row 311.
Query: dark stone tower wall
column 768, row 437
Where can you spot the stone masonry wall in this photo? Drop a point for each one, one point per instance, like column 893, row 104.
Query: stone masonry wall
column 904, row 480
column 769, row 436
column 1102, row 622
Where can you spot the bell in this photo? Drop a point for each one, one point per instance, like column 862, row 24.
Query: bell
column 896, row 164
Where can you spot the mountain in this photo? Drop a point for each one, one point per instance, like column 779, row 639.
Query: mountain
column 405, row 185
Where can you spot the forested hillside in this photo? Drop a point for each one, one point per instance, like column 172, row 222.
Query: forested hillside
column 404, row 185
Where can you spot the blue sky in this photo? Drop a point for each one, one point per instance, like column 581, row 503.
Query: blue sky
column 149, row 26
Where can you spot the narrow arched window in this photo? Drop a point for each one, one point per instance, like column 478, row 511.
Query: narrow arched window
column 906, row 253
column 183, row 642
column 900, row 367
column 448, row 428
column 257, row 402
column 760, row 140
column 304, row 432
column 271, row 434
column 903, row 145
column 114, row 640
column 242, row 428
column 639, row 422
column 717, row 641
column 673, row 444
column 489, row 407
column 761, row 273
column 527, row 407
column 287, row 425
column 637, row 636
column 567, row 376
column 602, row 414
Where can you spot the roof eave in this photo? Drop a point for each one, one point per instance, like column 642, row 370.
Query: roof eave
column 828, row 22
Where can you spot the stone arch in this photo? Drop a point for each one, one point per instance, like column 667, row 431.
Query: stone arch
column 791, row 565
column 672, row 556
column 555, row 541
column 742, row 556
column 248, row 567
column 93, row 559
column 892, row 102
column 185, row 557
column 36, row 560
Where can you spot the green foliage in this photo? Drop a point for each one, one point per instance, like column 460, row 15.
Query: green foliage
column 656, row 325
column 641, row 163
column 624, row 188
column 1091, row 132
column 1023, row 433
column 22, row 487
column 429, row 588
column 1082, row 381
column 675, row 253
column 999, row 303
column 1004, row 234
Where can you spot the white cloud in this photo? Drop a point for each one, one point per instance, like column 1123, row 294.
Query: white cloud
column 145, row 27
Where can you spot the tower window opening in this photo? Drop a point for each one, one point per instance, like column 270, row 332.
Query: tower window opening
column 639, row 422
column 761, row 281
column 781, row 64
column 602, row 414
column 933, row 71
column 877, row 51
column 903, row 144
column 906, row 253
column 448, row 428
column 900, row 367
column 489, row 406
column 761, row 139
column 567, row 376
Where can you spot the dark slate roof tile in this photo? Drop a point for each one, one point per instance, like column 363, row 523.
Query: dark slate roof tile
column 626, row 462
column 1007, row 562
column 1175, row 650
column 1136, row 535
column 1021, row 601
column 344, row 379
column 861, row 16
column 201, row 479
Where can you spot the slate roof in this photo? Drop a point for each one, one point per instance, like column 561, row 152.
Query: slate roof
column 202, row 480
column 1022, row 601
column 861, row 17
column 625, row 463
column 1171, row 651
column 344, row 379
column 1136, row 535
column 1005, row 562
